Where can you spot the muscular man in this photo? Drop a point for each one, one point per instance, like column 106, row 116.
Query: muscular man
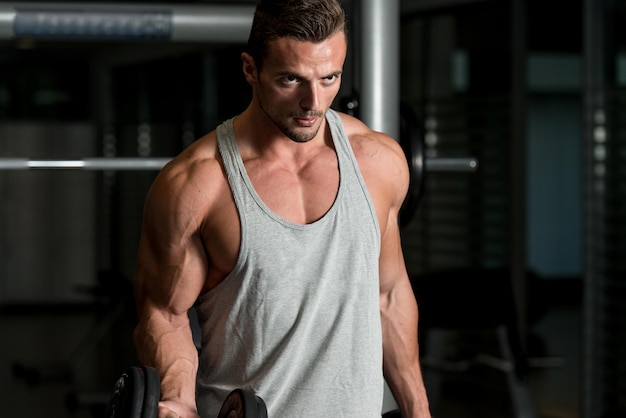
column 280, row 227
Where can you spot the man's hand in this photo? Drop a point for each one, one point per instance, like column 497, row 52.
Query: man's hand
column 171, row 409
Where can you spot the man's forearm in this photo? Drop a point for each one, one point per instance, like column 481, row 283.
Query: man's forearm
column 168, row 346
column 401, row 353
column 409, row 392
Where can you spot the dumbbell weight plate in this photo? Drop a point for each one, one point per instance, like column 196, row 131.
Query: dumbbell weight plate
column 412, row 142
column 241, row 403
column 128, row 394
column 152, row 392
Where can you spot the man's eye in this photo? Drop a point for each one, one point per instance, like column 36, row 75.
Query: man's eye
column 290, row 79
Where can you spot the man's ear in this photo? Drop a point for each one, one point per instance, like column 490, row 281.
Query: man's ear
column 249, row 68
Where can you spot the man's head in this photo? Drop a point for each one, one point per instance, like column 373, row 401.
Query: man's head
column 302, row 20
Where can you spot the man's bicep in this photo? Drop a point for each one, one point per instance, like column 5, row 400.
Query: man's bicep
column 171, row 264
column 173, row 279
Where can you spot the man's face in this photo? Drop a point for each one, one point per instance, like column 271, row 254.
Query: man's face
column 298, row 83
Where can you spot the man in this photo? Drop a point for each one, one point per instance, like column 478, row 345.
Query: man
column 280, row 227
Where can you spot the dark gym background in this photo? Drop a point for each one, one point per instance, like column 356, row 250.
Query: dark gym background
column 535, row 90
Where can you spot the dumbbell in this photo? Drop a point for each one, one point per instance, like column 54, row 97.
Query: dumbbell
column 137, row 392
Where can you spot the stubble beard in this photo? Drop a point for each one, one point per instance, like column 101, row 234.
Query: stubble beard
column 290, row 133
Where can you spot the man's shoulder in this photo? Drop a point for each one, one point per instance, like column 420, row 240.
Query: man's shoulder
column 367, row 142
column 381, row 160
column 354, row 126
column 193, row 174
column 199, row 158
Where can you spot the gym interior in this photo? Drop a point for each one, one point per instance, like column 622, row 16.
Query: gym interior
column 512, row 116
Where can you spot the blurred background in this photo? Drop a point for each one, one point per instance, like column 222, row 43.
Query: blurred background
column 518, row 264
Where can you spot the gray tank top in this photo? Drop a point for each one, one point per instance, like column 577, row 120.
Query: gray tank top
column 297, row 320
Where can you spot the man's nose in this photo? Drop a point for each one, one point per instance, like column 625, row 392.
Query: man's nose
column 310, row 97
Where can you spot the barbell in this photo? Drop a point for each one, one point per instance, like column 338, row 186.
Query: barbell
column 137, row 391
column 411, row 140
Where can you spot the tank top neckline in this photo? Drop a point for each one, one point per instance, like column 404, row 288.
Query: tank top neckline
column 269, row 212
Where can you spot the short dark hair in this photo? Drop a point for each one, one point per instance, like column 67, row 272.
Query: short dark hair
column 304, row 20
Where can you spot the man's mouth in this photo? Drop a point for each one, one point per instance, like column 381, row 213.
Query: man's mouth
column 306, row 122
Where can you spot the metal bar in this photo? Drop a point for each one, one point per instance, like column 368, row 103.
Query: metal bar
column 85, row 21
column 593, row 387
column 380, row 65
column 450, row 164
column 131, row 163
column 217, row 23
column 85, row 164
column 517, row 163
column 7, row 14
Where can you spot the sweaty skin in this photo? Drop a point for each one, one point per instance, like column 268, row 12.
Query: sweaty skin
column 191, row 233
